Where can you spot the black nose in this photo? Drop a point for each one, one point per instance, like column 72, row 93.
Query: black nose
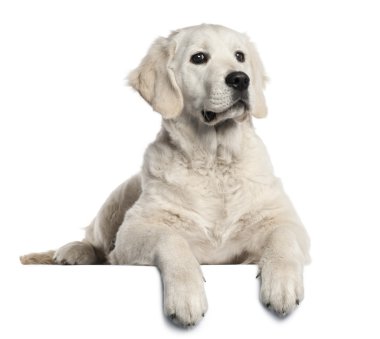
column 238, row 80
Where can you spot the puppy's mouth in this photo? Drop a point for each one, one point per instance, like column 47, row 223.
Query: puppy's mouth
column 208, row 116
column 212, row 118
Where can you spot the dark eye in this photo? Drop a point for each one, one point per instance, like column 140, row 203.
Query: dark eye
column 199, row 58
column 240, row 56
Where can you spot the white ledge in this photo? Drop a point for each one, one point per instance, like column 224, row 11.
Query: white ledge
column 126, row 302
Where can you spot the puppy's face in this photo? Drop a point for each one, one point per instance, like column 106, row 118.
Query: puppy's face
column 209, row 72
column 213, row 69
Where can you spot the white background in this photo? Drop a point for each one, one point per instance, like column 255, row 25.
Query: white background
column 70, row 131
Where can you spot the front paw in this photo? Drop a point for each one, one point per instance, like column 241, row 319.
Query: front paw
column 281, row 286
column 185, row 300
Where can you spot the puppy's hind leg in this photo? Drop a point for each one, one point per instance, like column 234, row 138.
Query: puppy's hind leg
column 73, row 253
column 76, row 253
column 100, row 235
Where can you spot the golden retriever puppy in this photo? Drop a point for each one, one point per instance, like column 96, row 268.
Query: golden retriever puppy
column 206, row 193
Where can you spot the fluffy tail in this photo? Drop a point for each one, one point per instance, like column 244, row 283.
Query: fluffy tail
column 43, row 258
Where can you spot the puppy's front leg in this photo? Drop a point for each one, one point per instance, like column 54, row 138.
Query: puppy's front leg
column 185, row 300
column 184, row 296
column 281, row 271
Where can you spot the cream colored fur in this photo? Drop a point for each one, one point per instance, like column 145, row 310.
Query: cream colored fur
column 206, row 193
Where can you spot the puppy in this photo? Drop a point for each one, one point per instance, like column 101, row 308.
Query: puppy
column 206, row 193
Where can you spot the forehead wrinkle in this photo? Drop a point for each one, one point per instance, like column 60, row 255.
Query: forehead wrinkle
column 206, row 37
column 197, row 47
column 216, row 44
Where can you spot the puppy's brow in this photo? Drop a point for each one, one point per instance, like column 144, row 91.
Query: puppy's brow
column 199, row 47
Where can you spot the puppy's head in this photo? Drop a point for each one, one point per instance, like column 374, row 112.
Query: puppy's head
column 210, row 72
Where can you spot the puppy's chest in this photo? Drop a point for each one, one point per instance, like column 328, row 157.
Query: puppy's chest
column 220, row 193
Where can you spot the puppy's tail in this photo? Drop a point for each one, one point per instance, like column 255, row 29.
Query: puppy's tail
column 42, row 258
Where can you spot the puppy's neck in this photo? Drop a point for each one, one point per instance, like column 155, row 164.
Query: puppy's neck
column 200, row 142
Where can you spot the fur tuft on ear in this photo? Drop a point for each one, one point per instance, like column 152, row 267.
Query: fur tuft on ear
column 155, row 81
column 259, row 109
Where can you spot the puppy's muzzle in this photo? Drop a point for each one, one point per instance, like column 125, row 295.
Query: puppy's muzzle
column 238, row 81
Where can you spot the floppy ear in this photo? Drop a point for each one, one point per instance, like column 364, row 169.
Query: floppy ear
column 259, row 108
column 155, row 81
